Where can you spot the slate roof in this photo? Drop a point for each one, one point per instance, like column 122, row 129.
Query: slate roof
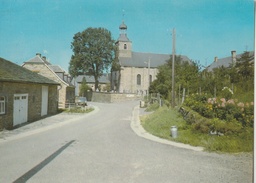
column 139, row 59
column 10, row 72
column 90, row 79
column 225, row 62
column 38, row 60
column 123, row 37
column 56, row 68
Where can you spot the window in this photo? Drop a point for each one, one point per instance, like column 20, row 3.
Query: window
column 150, row 78
column 2, row 105
column 125, row 46
column 138, row 79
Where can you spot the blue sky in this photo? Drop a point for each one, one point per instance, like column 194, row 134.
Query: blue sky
column 204, row 28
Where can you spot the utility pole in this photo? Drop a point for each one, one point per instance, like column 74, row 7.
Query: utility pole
column 148, row 62
column 173, row 61
column 148, row 74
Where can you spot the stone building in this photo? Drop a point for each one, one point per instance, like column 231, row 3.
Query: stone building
column 138, row 69
column 25, row 96
column 41, row 66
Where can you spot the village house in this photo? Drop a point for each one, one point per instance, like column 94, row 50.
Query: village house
column 90, row 81
column 40, row 65
column 25, row 96
column 226, row 61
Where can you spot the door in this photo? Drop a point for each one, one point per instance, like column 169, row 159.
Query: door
column 20, row 109
column 44, row 107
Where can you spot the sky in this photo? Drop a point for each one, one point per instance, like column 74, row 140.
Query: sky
column 204, row 28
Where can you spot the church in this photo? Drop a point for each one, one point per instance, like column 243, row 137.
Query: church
column 138, row 69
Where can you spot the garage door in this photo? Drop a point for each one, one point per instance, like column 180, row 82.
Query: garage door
column 44, row 107
column 20, row 109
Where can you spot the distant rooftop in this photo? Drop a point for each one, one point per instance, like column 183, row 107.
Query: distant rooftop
column 225, row 62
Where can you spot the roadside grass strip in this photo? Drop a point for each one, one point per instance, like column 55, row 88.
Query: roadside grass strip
column 159, row 124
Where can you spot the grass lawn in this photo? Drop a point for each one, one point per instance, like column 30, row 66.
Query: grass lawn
column 159, row 123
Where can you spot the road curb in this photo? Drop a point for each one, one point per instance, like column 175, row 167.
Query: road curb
column 140, row 131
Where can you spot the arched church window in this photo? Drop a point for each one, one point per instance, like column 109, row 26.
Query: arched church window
column 138, row 79
column 125, row 46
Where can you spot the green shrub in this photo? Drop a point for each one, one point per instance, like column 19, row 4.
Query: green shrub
column 200, row 124
column 221, row 108
column 227, row 128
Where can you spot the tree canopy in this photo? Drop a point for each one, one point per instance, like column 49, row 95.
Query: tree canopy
column 239, row 78
column 186, row 76
column 94, row 51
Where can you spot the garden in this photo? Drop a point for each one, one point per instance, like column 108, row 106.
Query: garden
column 215, row 109
column 201, row 122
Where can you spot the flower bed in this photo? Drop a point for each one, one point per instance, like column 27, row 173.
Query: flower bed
column 230, row 111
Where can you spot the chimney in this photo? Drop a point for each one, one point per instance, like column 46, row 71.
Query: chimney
column 38, row 54
column 233, row 56
column 215, row 59
column 44, row 58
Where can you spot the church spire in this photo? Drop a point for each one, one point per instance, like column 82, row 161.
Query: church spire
column 123, row 27
column 124, row 44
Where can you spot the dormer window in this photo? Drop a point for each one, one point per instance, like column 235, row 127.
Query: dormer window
column 125, row 46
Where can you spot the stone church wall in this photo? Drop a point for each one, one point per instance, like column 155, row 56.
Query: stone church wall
column 128, row 83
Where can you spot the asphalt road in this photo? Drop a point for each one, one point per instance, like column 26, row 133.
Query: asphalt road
column 102, row 148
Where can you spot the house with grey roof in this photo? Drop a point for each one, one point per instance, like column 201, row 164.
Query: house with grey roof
column 25, row 96
column 40, row 65
column 90, row 81
column 226, row 61
column 138, row 69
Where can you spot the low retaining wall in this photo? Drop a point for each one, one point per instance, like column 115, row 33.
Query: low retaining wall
column 113, row 97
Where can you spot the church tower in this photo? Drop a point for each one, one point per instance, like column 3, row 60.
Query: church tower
column 124, row 44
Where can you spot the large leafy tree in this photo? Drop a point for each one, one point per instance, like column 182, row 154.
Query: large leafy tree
column 244, row 74
column 94, row 52
column 186, row 76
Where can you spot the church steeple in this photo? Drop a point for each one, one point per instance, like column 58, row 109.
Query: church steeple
column 123, row 27
column 124, row 44
column 123, row 34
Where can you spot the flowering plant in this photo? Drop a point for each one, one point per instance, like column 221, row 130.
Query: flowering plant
column 227, row 110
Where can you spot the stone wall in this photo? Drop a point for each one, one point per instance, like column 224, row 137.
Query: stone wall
column 34, row 92
column 113, row 97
